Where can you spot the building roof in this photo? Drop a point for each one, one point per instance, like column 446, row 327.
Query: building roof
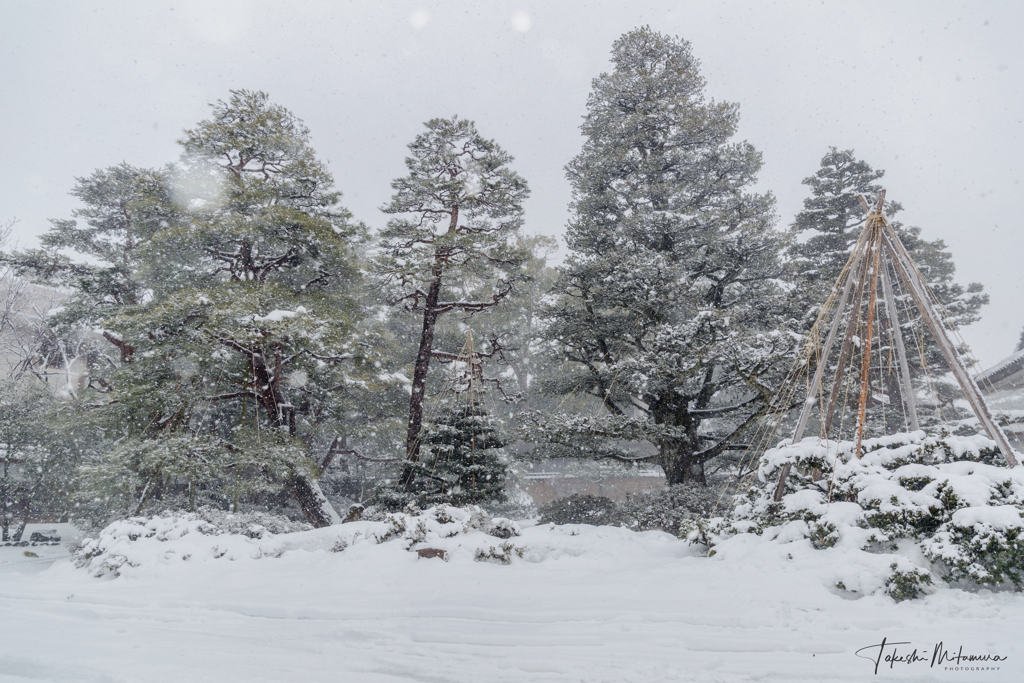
column 1003, row 370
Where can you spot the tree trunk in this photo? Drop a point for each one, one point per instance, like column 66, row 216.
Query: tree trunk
column 419, row 379
column 307, row 493
column 681, row 466
column 312, row 501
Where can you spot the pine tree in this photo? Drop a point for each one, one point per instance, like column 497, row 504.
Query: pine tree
column 123, row 207
column 824, row 233
column 456, row 218
column 248, row 349
column 667, row 309
column 831, row 221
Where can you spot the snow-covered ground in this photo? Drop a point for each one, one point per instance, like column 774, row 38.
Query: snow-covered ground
column 582, row 604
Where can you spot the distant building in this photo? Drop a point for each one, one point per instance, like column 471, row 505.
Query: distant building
column 1003, row 385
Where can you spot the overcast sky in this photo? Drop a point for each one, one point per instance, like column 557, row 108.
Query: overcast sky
column 929, row 91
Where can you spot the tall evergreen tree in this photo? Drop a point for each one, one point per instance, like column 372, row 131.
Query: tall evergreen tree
column 456, row 218
column 248, row 348
column 831, row 221
column 825, row 232
column 666, row 312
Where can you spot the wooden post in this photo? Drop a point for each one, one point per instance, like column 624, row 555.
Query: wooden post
column 901, row 352
column 812, row 390
column 844, row 353
column 908, row 273
column 865, row 344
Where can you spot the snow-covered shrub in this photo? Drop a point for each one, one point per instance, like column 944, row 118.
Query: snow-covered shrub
column 680, row 510
column 951, row 497
column 127, row 545
column 502, row 554
column 981, row 544
column 445, row 521
column 581, row 509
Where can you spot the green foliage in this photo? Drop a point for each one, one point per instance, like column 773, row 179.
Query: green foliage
column 678, row 510
column 123, row 208
column 461, row 463
column 460, row 207
column 668, row 307
column 580, row 509
column 248, row 348
column 907, row 585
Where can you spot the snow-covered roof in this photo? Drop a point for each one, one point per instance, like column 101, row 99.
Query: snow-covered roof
column 1003, row 369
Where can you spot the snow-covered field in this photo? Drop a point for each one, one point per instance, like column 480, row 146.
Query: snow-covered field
column 582, row 604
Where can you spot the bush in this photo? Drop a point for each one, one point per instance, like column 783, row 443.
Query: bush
column 581, row 509
column 947, row 498
column 675, row 510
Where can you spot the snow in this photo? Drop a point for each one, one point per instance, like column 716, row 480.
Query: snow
column 279, row 315
column 583, row 603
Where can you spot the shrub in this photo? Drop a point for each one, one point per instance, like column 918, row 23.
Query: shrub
column 676, row 510
column 581, row 509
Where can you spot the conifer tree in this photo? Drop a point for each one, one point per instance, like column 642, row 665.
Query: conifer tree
column 248, row 349
column 461, row 461
column 667, row 305
column 831, row 221
column 456, row 218
column 824, row 233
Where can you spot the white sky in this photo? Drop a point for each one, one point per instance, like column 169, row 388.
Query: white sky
column 929, row 91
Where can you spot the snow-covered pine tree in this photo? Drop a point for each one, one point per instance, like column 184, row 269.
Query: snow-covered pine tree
column 824, row 233
column 668, row 311
column 457, row 215
column 460, row 464
column 123, row 207
column 831, row 221
column 249, row 347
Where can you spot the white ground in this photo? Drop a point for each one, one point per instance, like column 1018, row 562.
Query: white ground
column 585, row 604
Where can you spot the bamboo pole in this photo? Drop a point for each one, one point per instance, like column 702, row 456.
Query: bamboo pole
column 901, row 352
column 908, row 273
column 865, row 344
column 812, row 390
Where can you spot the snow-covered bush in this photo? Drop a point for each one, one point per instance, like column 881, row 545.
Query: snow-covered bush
column 580, row 509
column 680, row 510
column 946, row 504
column 143, row 542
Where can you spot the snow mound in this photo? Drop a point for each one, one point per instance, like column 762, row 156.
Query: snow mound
column 137, row 545
column 913, row 510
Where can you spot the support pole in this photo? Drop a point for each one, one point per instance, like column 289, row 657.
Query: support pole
column 901, row 352
column 865, row 344
column 847, row 348
column 812, row 390
column 908, row 273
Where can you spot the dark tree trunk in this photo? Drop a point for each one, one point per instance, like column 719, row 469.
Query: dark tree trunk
column 311, row 501
column 681, row 465
column 678, row 457
column 419, row 378
column 314, row 505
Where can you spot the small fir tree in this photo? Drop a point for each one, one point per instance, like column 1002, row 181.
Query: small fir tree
column 462, row 462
